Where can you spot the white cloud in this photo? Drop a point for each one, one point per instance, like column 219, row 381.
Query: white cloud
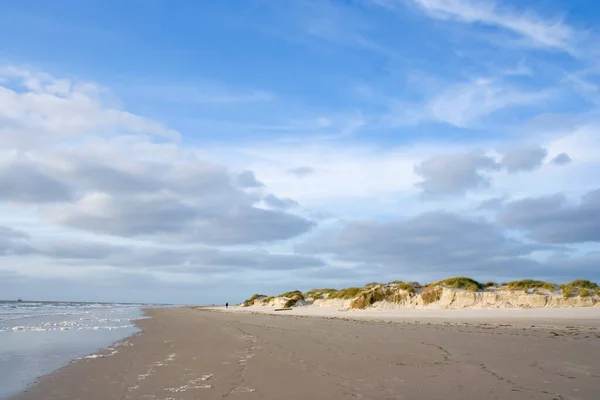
column 536, row 30
column 172, row 210
column 50, row 109
column 74, row 168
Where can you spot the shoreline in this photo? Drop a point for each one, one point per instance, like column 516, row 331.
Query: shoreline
column 101, row 351
column 189, row 352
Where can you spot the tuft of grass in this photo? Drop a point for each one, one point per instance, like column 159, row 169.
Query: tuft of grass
column 267, row 300
column 318, row 294
column 372, row 284
column 585, row 284
column 527, row 284
column 431, row 294
column 585, row 288
column 597, row 291
column 567, row 290
column 399, row 297
column 250, row 301
column 346, row 294
column 459, row 282
column 408, row 286
column 292, row 297
column 324, row 290
column 360, row 302
column 290, row 303
column 369, row 296
column 490, row 284
column 295, row 293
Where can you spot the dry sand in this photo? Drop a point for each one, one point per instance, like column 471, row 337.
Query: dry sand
column 548, row 317
column 188, row 353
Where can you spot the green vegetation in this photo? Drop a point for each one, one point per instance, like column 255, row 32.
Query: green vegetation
column 374, row 294
column 459, row 282
column 368, row 297
column 408, row 286
column 399, row 291
column 527, row 284
column 586, row 288
column 295, row 293
column 346, row 294
column 567, row 290
column 431, row 294
column 581, row 283
column 318, row 294
column 290, row 303
column 250, row 301
column 292, row 297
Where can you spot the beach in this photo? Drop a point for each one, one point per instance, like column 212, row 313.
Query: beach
column 195, row 353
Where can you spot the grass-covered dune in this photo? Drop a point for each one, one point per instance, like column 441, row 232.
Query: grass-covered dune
column 401, row 292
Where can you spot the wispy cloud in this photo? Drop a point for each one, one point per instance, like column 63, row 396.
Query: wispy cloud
column 535, row 29
column 465, row 104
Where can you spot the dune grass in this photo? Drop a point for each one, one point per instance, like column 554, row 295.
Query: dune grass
column 249, row 302
column 267, row 300
column 584, row 284
column 586, row 288
column 399, row 291
column 373, row 294
column 318, row 294
column 431, row 294
column 567, row 291
column 346, row 294
column 459, row 282
column 292, row 297
column 290, row 303
column 408, row 286
column 527, row 284
column 294, row 293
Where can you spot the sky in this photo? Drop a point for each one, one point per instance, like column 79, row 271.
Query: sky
column 199, row 152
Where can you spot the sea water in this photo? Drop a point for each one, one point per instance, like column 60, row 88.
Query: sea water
column 39, row 337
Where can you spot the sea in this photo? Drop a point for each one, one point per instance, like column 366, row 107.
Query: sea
column 37, row 338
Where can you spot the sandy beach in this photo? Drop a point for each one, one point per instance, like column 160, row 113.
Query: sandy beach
column 193, row 353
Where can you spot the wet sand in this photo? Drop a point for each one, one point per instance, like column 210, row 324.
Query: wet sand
column 188, row 353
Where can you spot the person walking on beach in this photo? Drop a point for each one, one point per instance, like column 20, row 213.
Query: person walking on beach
column 226, row 305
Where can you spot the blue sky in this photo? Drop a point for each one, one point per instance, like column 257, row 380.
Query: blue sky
column 200, row 151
